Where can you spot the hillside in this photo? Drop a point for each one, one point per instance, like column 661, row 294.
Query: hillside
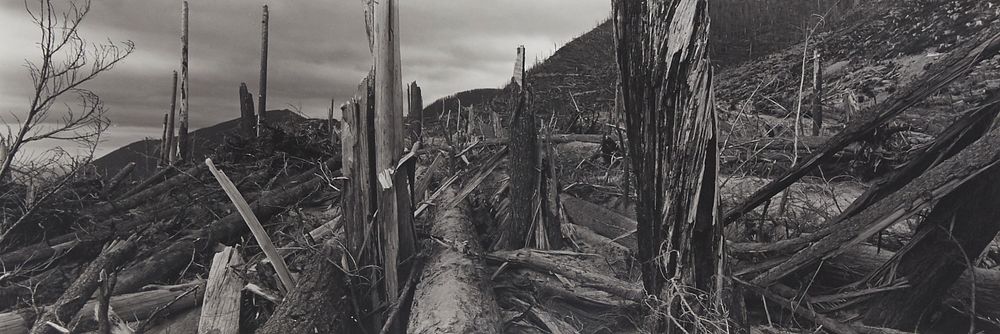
column 145, row 152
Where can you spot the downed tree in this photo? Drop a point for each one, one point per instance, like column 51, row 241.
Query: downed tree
column 319, row 302
column 957, row 63
column 453, row 295
column 134, row 306
column 170, row 260
column 919, row 194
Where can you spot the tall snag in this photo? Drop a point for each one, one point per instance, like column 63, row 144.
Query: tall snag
column 183, row 142
column 523, row 160
column 666, row 85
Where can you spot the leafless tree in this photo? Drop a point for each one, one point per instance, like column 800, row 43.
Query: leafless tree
column 66, row 63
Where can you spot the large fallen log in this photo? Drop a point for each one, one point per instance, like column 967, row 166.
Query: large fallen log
column 144, row 195
column 319, row 303
column 134, row 306
column 170, row 260
column 539, row 261
column 73, row 299
column 859, row 261
column 453, row 295
column 601, row 220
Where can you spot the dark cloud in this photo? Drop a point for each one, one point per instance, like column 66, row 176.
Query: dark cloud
column 318, row 51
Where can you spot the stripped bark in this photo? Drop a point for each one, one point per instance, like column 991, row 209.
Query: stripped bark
column 145, row 195
column 958, row 63
column 394, row 207
column 817, row 102
column 262, row 88
column 666, row 83
column 454, row 295
column 523, row 161
column 547, row 263
column 220, row 312
column 183, row 142
column 171, row 122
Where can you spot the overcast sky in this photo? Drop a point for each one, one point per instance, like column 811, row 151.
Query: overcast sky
column 318, row 50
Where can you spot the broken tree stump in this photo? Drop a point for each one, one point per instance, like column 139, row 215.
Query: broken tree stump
column 453, row 295
column 171, row 122
column 670, row 117
column 523, row 161
column 220, row 311
column 415, row 101
column 247, row 122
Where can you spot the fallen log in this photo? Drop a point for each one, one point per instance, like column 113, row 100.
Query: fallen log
column 169, row 261
column 319, row 303
column 453, row 295
column 605, row 222
column 859, row 261
column 74, row 298
column 956, row 64
column 547, row 263
column 142, row 196
column 138, row 305
column 922, row 192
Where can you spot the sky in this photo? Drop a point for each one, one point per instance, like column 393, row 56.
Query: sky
column 317, row 50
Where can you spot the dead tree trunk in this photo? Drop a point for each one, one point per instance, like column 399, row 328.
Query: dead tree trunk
column 164, row 159
column 416, row 104
column 329, row 122
column 262, row 103
column 548, row 234
column 817, row 105
column 947, row 243
column 247, row 122
column 454, row 295
column 184, row 143
column 666, row 83
column 395, row 215
column 523, row 161
column 359, row 202
column 171, row 122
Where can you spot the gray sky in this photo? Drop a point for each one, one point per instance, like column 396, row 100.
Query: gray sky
column 318, row 50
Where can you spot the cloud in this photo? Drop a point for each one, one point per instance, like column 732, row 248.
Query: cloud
column 318, row 50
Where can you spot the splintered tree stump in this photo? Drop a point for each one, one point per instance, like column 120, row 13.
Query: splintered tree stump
column 319, row 303
column 666, row 83
column 523, row 161
column 220, row 312
column 454, row 294
column 247, row 122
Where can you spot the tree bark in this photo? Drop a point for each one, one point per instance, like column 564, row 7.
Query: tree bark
column 183, row 142
column 666, row 83
column 523, row 161
column 319, row 302
column 947, row 243
column 262, row 103
column 454, row 295
column 817, row 105
column 247, row 121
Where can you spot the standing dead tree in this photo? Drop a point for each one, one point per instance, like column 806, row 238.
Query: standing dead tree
column 183, row 142
column 666, row 84
column 415, row 101
column 171, row 145
column 262, row 102
column 67, row 62
column 247, row 123
column 523, row 161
